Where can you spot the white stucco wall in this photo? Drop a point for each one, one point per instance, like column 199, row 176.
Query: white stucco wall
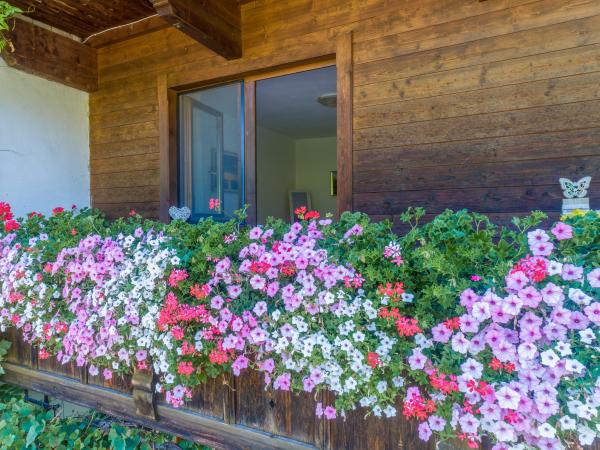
column 44, row 143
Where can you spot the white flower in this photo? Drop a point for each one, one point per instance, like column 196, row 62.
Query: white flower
column 549, row 358
column 504, row 432
column 546, row 430
column 527, row 351
column 564, row 348
column 586, row 435
column 406, row 298
column 572, row 365
column 481, row 311
column 586, row 412
column 350, row 384
column 579, row 297
column 382, row 386
column 422, row 341
column 587, row 336
column 567, row 423
column 472, row 368
column 398, row 382
column 507, row 398
column 389, row 411
column 554, row 268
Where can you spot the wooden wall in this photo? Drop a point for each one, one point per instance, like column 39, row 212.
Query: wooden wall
column 457, row 103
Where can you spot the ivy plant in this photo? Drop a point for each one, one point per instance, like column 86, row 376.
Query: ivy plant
column 7, row 12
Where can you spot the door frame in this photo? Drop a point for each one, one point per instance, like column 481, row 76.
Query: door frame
column 168, row 125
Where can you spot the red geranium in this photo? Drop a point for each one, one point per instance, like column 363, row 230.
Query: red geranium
column 5, row 212
column 11, row 225
column 373, row 359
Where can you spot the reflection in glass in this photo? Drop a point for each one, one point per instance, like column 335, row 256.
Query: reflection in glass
column 210, row 143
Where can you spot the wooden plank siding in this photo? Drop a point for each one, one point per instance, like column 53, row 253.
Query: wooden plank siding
column 456, row 103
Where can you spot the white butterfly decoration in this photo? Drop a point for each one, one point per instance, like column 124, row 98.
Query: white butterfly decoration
column 183, row 213
column 576, row 189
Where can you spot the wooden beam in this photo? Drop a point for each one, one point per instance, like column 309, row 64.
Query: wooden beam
column 52, row 56
column 124, row 32
column 167, row 127
column 214, row 23
column 187, row 424
column 250, row 150
column 344, row 67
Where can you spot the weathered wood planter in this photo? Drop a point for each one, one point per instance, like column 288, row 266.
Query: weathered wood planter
column 230, row 413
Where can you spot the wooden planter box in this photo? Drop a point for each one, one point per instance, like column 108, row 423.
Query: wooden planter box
column 230, row 412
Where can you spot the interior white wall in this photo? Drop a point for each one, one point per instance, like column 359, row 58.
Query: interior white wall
column 315, row 158
column 44, row 143
column 285, row 164
column 275, row 173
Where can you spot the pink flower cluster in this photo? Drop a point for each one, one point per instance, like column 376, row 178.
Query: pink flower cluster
column 95, row 304
column 534, row 346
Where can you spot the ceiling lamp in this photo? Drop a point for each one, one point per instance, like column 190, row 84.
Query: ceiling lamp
column 329, row 99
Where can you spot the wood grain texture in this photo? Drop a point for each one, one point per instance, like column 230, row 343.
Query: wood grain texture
column 455, row 104
column 187, row 424
column 52, row 56
column 433, row 82
column 214, row 23
column 345, row 88
column 83, row 18
column 250, row 150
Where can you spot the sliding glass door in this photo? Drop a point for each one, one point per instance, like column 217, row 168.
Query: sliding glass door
column 211, row 151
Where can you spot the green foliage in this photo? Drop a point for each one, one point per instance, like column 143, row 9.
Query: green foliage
column 6, row 13
column 24, row 425
column 442, row 256
column 4, row 346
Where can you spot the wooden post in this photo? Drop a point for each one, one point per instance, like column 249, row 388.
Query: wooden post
column 343, row 61
column 250, row 150
column 167, row 126
column 143, row 394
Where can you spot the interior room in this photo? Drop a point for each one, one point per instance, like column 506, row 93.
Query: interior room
column 296, row 143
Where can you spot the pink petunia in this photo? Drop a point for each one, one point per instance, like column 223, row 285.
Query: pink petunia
column 330, row 413
column 594, row 278
column 571, row 272
column 542, row 248
column 562, row 231
column 424, row 431
column 593, row 312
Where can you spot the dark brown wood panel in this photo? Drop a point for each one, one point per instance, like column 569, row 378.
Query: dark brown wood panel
column 569, row 34
column 512, row 173
column 553, row 91
column 276, row 412
column 463, row 29
column 184, row 423
column 214, row 23
column 545, row 119
column 495, row 200
column 577, row 143
column 83, row 18
column 345, row 89
column 52, row 56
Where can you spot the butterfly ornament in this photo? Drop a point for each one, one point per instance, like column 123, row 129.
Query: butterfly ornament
column 183, row 213
column 575, row 189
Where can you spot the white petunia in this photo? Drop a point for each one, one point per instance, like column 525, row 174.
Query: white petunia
column 586, row 435
column 549, row 358
column 546, row 430
column 508, row 398
column 567, row 423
